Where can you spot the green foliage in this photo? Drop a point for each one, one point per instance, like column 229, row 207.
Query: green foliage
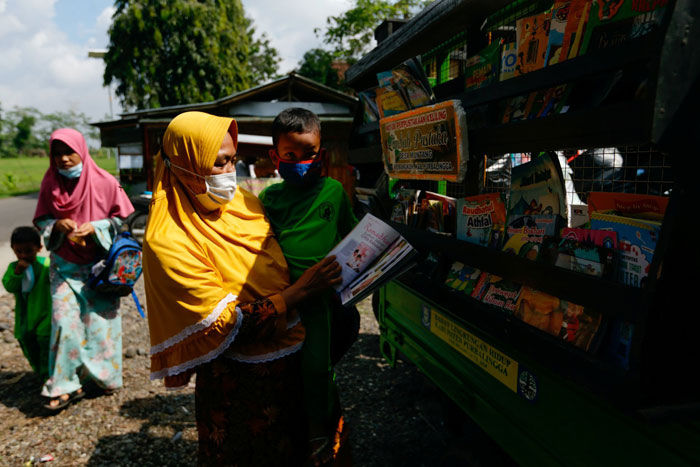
column 350, row 34
column 318, row 64
column 25, row 131
column 182, row 51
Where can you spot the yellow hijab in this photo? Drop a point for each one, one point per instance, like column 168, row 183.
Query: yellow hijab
column 200, row 264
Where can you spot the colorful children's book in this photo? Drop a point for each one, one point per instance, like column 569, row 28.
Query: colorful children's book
column 462, row 278
column 578, row 215
column 531, row 37
column 554, row 101
column 568, row 321
column 390, row 100
column 532, row 236
column 481, row 219
column 639, row 206
column 515, row 109
column 613, row 23
column 576, row 22
column 482, row 68
column 482, row 284
column 636, row 244
column 560, row 14
column 537, row 187
column 501, row 293
column 591, row 252
column 410, row 79
column 404, row 205
column 370, row 112
column 435, row 213
column 509, row 58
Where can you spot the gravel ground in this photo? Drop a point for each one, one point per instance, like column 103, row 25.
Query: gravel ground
column 396, row 417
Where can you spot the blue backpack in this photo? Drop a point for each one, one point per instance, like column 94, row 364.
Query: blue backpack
column 117, row 273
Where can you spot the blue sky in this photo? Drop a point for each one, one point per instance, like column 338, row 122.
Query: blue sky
column 44, row 45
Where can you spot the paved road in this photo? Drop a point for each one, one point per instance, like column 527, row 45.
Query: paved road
column 14, row 211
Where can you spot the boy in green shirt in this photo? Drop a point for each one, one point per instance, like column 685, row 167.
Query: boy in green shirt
column 28, row 279
column 309, row 214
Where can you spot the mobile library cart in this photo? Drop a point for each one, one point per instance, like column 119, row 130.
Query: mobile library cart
column 606, row 94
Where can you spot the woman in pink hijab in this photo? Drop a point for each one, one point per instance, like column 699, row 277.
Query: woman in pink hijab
column 79, row 212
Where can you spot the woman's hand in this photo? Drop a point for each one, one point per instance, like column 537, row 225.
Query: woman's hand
column 316, row 279
column 84, row 230
column 65, row 226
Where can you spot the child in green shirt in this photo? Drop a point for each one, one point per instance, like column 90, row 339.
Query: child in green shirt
column 28, row 279
column 309, row 214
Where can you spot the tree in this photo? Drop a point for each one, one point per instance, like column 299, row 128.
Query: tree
column 322, row 66
column 350, row 34
column 182, row 51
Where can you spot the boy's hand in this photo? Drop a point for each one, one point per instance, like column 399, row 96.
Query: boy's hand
column 319, row 277
column 21, row 266
column 65, row 226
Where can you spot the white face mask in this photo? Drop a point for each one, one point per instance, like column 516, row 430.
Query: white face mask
column 221, row 188
column 73, row 172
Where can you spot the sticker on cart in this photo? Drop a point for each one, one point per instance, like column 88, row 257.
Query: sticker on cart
column 492, row 360
column 527, row 385
column 425, row 315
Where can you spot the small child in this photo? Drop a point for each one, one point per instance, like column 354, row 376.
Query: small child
column 309, row 214
column 28, row 279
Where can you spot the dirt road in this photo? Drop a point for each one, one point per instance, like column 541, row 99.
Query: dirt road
column 395, row 415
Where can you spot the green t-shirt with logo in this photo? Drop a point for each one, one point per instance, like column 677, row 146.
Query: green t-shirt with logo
column 308, row 220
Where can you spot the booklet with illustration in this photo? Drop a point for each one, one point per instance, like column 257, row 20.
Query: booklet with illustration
column 370, row 255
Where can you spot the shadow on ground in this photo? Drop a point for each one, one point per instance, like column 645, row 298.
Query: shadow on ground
column 20, row 390
column 160, row 439
column 398, row 417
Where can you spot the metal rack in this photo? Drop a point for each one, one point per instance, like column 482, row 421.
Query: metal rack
column 629, row 128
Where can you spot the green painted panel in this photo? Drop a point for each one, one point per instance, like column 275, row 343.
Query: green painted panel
column 564, row 424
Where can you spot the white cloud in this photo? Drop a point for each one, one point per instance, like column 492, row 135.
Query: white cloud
column 43, row 68
column 45, row 65
column 104, row 21
column 291, row 29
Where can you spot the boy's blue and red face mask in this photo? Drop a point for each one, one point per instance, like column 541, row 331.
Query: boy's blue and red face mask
column 303, row 172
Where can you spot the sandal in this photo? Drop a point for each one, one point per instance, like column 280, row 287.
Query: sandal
column 64, row 402
column 321, row 452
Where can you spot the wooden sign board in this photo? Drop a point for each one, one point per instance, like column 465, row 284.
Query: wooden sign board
column 427, row 143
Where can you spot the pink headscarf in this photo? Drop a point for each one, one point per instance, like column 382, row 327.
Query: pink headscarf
column 95, row 195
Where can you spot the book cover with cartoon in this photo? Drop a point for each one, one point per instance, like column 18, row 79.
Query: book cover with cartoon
column 592, row 252
column 462, row 278
column 614, row 22
column 481, row 219
column 560, row 14
column 532, row 237
column 537, row 188
column 636, row 244
column 531, row 38
column 501, row 293
column 576, row 22
column 568, row 321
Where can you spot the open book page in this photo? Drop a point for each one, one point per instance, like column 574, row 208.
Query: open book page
column 393, row 256
column 368, row 240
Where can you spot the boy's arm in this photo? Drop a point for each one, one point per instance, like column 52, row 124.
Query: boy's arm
column 346, row 216
column 11, row 281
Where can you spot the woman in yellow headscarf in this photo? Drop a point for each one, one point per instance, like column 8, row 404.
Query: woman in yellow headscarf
column 219, row 300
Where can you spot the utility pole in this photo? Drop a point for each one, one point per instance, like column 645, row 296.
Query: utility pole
column 101, row 55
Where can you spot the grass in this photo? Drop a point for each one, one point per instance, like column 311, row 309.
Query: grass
column 23, row 175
